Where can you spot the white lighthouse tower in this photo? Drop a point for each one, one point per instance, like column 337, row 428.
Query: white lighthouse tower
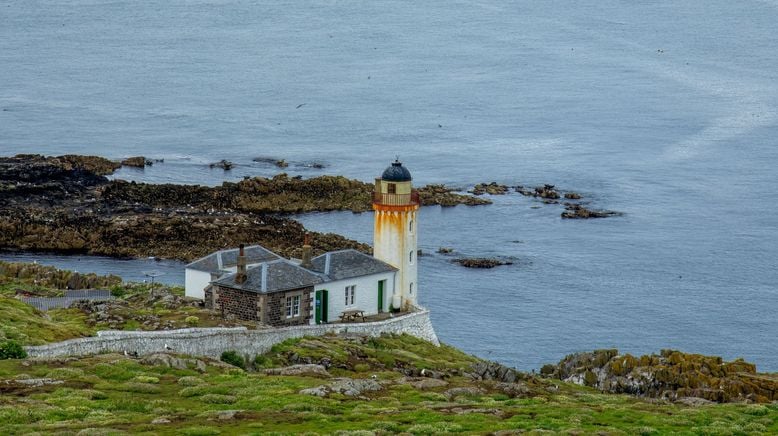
column 394, row 238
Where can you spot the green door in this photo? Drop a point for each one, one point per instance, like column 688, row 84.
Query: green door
column 381, row 295
column 320, row 301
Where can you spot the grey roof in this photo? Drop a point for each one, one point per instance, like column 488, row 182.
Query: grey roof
column 349, row 263
column 221, row 260
column 397, row 173
column 281, row 275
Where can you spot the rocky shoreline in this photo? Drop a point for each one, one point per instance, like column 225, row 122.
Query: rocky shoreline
column 66, row 205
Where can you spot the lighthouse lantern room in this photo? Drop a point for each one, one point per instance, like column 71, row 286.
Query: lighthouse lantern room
column 395, row 237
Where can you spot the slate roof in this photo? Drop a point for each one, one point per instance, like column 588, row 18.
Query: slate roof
column 349, row 263
column 229, row 258
column 282, row 275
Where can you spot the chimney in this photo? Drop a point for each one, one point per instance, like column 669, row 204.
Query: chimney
column 307, row 249
column 241, row 276
column 264, row 277
column 327, row 264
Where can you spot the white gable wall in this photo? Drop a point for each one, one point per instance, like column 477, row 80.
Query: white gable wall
column 195, row 283
column 365, row 298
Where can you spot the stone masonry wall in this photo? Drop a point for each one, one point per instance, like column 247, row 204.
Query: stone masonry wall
column 276, row 308
column 242, row 304
column 212, row 342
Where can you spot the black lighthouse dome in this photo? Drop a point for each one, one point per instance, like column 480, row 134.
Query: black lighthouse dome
column 396, row 173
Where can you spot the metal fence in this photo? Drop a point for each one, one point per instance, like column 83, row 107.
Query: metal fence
column 46, row 303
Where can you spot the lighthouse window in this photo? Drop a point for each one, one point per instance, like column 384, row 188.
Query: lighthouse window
column 392, row 188
column 410, row 226
column 410, row 257
column 411, row 288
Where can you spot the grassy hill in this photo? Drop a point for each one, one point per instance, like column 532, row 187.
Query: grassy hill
column 169, row 395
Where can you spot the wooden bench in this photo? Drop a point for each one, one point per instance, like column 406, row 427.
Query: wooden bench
column 352, row 315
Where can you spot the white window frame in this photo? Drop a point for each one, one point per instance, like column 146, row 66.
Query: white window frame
column 350, row 295
column 293, row 306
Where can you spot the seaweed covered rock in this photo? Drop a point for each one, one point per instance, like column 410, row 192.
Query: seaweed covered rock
column 136, row 161
column 671, row 374
column 489, row 188
column 482, row 262
column 576, row 211
column 546, row 191
column 444, row 196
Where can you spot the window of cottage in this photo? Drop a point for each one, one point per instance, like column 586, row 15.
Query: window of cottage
column 350, row 293
column 293, row 306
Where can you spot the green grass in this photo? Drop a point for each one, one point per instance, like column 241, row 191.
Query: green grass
column 21, row 322
column 114, row 392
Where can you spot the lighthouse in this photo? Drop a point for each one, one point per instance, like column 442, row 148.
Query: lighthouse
column 394, row 237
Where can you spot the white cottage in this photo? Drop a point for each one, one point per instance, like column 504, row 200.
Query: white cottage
column 351, row 281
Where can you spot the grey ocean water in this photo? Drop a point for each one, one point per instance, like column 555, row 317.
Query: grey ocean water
column 664, row 110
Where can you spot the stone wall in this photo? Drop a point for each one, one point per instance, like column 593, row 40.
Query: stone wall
column 212, row 342
column 275, row 308
column 242, row 304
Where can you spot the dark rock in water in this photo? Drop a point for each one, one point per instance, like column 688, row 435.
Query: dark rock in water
column 546, row 191
column 576, row 211
column 445, row 250
column 572, row 196
column 137, row 162
column 280, row 163
column 223, row 164
column 671, row 374
column 482, row 262
column 490, row 188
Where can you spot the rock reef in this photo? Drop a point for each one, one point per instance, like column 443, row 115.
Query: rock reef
column 670, row 375
column 65, row 204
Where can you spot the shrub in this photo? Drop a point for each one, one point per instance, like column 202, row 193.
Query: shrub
column 190, row 381
column 192, row 321
column 233, row 358
column 262, row 361
column 12, row 350
column 146, row 379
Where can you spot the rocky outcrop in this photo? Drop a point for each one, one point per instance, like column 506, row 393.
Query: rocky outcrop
column 545, row 191
column 577, row 211
column 65, row 205
column 671, row 375
column 137, row 162
column 485, row 370
column 51, row 277
column 345, row 386
column 447, row 197
column 482, row 262
column 489, row 188
column 313, row 370
column 223, row 164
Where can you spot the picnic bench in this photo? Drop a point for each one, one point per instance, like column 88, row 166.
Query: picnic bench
column 352, row 315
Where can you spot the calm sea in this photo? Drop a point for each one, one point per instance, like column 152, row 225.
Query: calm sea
column 664, row 110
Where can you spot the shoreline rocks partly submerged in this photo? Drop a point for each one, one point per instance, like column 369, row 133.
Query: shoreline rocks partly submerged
column 66, row 205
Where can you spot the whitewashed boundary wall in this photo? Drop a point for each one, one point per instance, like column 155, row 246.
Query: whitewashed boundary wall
column 212, row 342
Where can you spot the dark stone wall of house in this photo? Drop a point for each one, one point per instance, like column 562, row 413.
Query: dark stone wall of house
column 270, row 308
column 240, row 304
column 276, row 307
